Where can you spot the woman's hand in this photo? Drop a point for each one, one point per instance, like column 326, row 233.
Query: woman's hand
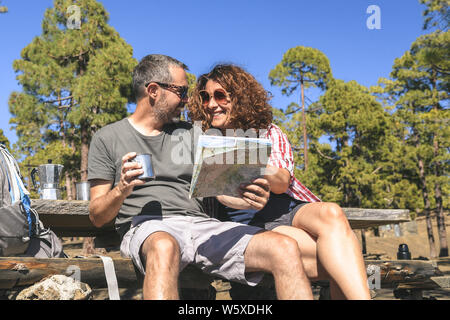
column 253, row 196
column 256, row 194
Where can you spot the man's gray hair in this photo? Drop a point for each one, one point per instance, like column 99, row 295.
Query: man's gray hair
column 153, row 68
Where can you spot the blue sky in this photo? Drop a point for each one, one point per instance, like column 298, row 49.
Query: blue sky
column 252, row 33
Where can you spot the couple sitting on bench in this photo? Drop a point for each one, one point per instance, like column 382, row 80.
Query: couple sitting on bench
column 291, row 234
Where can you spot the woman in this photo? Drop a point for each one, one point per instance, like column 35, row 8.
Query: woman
column 228, row 97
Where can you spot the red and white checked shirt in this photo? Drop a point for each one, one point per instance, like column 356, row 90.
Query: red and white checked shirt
column 281, row 157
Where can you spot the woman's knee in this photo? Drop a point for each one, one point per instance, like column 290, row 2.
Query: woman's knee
column 331, row 214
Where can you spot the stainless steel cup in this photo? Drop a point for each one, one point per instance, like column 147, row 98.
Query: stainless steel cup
column 145, row 160
column 83, row 190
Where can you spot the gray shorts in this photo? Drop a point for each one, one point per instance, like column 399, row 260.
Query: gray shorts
column 216, row 247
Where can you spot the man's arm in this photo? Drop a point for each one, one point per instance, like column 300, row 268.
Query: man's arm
column 106, row 202
column 253, row 196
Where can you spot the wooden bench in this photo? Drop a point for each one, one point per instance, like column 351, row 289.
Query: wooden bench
column 71, row 219
column 23, row 271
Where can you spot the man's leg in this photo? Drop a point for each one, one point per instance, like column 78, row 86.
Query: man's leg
column 160, row 254
column 279, row 254
column 313, row 267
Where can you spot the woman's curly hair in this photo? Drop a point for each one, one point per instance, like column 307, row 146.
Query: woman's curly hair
column 251, row 108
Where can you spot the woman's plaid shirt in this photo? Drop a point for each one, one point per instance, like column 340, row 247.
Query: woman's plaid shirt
column 281, row 157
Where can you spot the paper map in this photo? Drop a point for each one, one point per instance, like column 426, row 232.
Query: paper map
column 223, row 163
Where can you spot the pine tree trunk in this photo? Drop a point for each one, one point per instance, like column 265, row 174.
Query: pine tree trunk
column 440, row 217
column 64, row 143
column 88, row 242
column 69, row 186
column 305, row 136
column 84, row 152
column 426, row 201
column 443, row 252
column 73, row 179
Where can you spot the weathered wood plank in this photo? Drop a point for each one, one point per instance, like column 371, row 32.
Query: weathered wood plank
column 20, row 271
column 413, row 273
column 25, row 271
column 442, row 281
column 360, row 218
column 71, row 218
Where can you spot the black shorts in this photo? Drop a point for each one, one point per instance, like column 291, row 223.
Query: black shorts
column 280, row 210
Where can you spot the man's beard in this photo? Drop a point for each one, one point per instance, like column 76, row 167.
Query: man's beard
column 163, row 114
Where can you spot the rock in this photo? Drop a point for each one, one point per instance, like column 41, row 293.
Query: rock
column 56, row 287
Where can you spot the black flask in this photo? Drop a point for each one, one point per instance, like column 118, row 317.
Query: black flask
column 403, row 252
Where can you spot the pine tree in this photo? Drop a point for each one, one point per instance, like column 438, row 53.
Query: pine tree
column 351, row 168
column 75, row 80
column 419, row 85
column 302, row 67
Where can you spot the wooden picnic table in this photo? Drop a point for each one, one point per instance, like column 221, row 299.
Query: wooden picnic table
column 71, row 217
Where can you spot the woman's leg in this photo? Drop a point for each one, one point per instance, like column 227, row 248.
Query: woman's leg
column 308, row 248
column 337, row 247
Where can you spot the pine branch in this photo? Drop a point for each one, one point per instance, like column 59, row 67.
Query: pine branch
column 323, row 155
column 375, row 171
column 59, row 100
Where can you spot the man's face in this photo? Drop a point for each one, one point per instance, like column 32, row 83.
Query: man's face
column 169, row 106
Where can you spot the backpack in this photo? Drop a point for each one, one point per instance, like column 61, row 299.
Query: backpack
column 21, row 231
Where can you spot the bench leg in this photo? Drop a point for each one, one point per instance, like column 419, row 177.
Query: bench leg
column 324, row 293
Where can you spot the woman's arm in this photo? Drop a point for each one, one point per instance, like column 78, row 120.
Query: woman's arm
column 279, row 179
column 280, row 167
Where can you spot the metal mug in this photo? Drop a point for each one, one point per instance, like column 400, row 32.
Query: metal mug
column 83, row 190
column 145, row 160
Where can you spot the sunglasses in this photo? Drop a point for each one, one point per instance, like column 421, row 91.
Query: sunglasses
column 219, row 95
column 180, row 91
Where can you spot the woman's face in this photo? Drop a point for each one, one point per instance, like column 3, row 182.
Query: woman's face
column 219, row 106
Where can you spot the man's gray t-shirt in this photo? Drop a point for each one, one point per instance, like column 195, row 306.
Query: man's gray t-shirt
column 172, row 157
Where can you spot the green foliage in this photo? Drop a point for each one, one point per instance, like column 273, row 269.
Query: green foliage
column 57, row 153
column 301, row 64
column 357, row 127
column 4, row 140
column 437, row 14
column 192, row 81
column 418, row 89
column 3, row 9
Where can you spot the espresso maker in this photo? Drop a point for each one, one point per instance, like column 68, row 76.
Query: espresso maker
column 49, row 180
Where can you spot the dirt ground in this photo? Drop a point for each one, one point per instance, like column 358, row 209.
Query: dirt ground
column 383, row 247
column 418, row 243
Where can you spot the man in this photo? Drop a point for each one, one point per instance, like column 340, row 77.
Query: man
column 163, row 229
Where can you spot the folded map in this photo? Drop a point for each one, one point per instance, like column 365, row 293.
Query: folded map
column 223, row 163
